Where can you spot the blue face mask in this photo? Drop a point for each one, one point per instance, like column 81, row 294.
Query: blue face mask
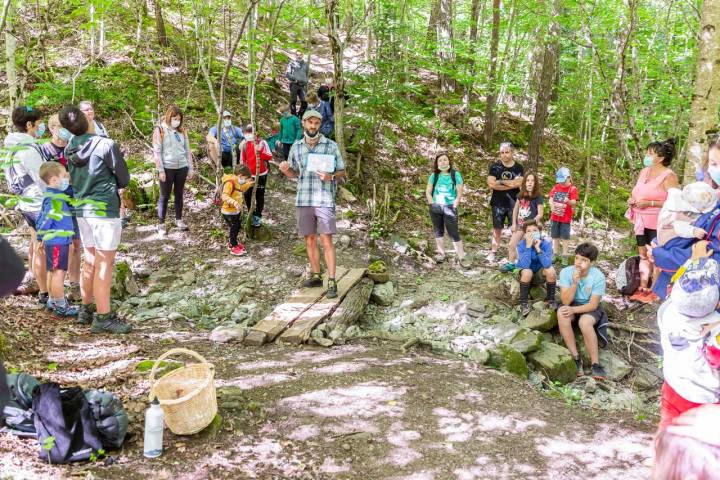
column 64, row 184
column 714, row 173
column 536, row 236
column 40, row 131
column 648, row 161
column 64, row 134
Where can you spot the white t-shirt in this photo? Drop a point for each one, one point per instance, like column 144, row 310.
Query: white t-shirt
column 684, row 365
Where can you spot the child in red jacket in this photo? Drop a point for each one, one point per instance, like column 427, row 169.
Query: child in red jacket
column 255, row 153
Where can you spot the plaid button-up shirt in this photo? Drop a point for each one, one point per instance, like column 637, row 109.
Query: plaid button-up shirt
column 311, row 191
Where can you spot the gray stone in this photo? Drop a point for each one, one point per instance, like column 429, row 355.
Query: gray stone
column 344, row 241
column 131, row 286
column 352, row 331
column 188, row 278
column 478, row 354
column 526, row 341
column 225, row 334
column 508, row 359
column 615, row 367
column 176, row 316
column 590, row 385
column 346, row 195
column 383, row 294
column 336, row 333
column 554, row 361
column 541, row 320
column 503, row 331
column 323, row 342
column 648, row 376
column 239, row 314
column 317, row 333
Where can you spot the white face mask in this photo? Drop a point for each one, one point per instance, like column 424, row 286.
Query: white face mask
column 174, row 123
column 227, row 122
column 249, row 137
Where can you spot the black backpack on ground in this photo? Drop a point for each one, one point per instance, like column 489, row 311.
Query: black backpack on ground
column 630, row 273
column 64, row 423
column 17, row 413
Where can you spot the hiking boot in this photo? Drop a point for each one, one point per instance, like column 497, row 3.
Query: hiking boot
column 63, row 311
column 440, row 258
column 579, row 372
column 181, row 225
column 465, row 262
column 162, row 231
column 314, row 281
column 109, row 323
column 73, row 292
column 332, row 289
column 507, row 267
column 524, row 310
column 43, row 298
column 238, row 250
column 85, row 314
column 598, row 372
column 256, row 221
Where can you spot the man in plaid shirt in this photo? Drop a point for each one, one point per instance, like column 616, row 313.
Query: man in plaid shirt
column 316, row 162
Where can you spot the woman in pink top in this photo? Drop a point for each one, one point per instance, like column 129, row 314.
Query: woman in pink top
column 645, row 202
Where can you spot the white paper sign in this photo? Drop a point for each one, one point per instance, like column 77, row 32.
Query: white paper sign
column 321, row 163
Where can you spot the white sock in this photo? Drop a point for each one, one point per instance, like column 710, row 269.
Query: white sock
column 459, row 251
column 440, row 242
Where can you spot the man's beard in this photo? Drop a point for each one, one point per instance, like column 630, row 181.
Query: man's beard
column 310, row 134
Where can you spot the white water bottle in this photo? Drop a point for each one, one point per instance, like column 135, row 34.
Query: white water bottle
column 154, row 422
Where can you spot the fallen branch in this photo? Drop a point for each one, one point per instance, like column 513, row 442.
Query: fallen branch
column 630, row 328
column 140, row 133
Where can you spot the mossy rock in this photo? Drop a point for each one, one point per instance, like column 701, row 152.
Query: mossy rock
column 526, row 341
column 543, row 320
column 260, row 234
column 555, row 361
column 509, row 359
column 378, row 272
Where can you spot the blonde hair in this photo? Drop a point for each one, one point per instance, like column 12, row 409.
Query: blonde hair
column 312, row 98
column 49, row 170
column 54, row 121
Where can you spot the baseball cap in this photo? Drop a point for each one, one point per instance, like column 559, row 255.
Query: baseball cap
column 562, row 174
column 696, row 293
column 311, row 113
column 227, row 114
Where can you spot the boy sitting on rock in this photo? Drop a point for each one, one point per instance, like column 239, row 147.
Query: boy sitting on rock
column 534, row 256
column 581, row 287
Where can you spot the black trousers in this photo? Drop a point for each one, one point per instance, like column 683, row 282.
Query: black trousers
column 445, row 218
column 174, row 180
column 297, row 91
column 233, row 222
column 259, row 196
column 286, row 150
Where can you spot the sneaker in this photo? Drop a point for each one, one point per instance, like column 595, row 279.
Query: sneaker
column 465, row 262
column 161, row 231
column 650, row 297
column 579, row 372
column 640, row 295
column 66, row 310
column 73, row 292
column 507, row 267
column 598, row 372
column 440, row 258
column 43, row 298
column 314, row 281
column 332, row 289
column 109, row 323
column 490, row 257
column 85, row 314
column 181, row 225
column 256, row 221
column 525, row 310
column 238, row 250
column 125, row 220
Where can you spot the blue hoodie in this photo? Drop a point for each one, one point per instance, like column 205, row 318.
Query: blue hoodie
column 528, row 257
column 46, row 223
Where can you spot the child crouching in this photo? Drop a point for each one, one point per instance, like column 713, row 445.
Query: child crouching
column 534, row 255
column 234, row 185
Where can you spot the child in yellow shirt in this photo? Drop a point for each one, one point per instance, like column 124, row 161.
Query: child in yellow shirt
column 233, row 187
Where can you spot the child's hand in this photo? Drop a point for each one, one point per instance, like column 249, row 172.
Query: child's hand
column 699, row 233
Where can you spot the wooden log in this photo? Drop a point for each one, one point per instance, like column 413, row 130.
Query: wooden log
column 285, row 314
column 350, row 309
column 299, row 331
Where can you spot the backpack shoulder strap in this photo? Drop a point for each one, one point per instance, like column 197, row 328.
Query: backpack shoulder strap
column 436, row 177
column 453, row 177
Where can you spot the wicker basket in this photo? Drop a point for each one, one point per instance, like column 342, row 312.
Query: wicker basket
column 187, row 394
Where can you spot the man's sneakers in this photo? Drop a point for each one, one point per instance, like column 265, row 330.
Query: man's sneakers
column 598, row 372
column 181, row 225
column 332, row 289
column 466, row 262
column 439, row 258
column 524, row 309
column 256, row 221
column 314, row 281
column 85, row 314
column 238, row 250
column 579, row 372
column 109, row 323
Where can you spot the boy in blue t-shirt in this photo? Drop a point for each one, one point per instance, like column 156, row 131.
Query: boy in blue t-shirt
column 581, row 288
column 444, row 192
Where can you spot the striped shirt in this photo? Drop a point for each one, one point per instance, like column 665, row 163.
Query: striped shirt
column 311, row 191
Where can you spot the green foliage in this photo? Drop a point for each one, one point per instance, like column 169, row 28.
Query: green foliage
column 570, row 395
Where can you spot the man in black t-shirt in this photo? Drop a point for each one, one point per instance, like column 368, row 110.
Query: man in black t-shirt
column 505, row 179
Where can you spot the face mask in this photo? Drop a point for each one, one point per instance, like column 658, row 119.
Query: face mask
column 536, row 236
column 249, row 137
column 241, row 181
column 714, row 173
column 64, row 184
column 648, row 161
column 227, row 123
column 64, row 134
column 311, row 135
column 174, row 123
column 40, row 130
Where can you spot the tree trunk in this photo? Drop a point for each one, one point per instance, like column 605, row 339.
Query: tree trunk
column 445, row 49
column 160, row 24
column 547, row 79
column 251, row 26
column 431, row 36
column 338, row 51
column 474, row 16
column 11, row 71
column 706, row 92
column 489, row 126
column 91, row 11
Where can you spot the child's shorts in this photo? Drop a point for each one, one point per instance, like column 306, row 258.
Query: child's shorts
column 559, row 230
column 56, row 257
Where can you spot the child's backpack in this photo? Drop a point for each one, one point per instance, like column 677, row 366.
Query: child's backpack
column 17, row 413
column 627, row 276
column 110, row 417
column 452, row 177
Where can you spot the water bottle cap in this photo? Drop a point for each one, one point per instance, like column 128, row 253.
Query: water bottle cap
column 155, row 401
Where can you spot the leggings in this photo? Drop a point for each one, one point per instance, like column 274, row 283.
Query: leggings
column 173, row 177
column 259, row 196
column 233, row 222
column 444, row 217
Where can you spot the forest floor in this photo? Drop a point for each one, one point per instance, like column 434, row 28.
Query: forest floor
column 363, row 410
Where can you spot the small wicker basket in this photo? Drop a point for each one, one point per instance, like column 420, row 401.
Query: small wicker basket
column 187, row 394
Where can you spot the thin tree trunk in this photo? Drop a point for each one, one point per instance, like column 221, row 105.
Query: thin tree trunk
column 445, row 49
column 431, row 36
column 338, row 51
column 547, row 78
column 5, row 15
column 474, row 15
column 489, row 126
column 706, row 93
column 11, row 70
column 160, row 24
column 91, row 11
column 251, row 26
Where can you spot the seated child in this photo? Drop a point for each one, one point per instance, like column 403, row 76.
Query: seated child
column 234, row 186
column 55, row 230
column 684, row 320
column 681, row 209
column 534, row 255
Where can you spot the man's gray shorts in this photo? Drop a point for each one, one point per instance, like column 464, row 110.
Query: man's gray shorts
column 312, row 220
